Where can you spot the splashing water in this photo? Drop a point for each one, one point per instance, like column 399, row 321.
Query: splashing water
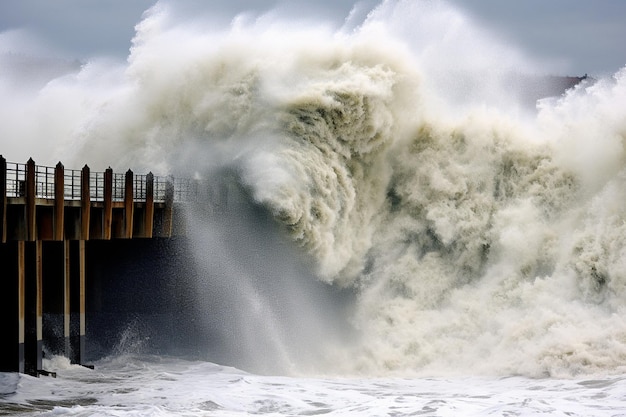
column 478, row 236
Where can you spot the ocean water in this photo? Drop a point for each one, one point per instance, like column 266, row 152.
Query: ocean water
column 130, row 385
column 474, row 228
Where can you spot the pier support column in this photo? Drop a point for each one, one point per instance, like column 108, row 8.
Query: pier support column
column 33, row 306
column 76, row 262
column 82, row 323
column 39, row 305
column 13, row 307
column 66, row 299
column 21, row 304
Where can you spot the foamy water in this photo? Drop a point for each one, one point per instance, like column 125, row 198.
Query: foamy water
column 162, row 386
column 482, row 240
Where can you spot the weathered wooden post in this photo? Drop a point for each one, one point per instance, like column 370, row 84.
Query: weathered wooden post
column 33, row 317
column 67, row 311
column 149, row 210
column 82, row 316
column 128, row 205
column 33, row 341
column 76, row 348
column 21, row 304
column 76, row 264
column 31, row 220
column 59, row 202
column 85, row 205
column 39, row 305
column 108, row 203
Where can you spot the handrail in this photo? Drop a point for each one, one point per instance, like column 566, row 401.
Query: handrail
column 16, row 180
column 183, row 189
column 44, row 182
column 71, row 186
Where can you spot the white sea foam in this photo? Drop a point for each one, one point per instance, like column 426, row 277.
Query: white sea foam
column 161, row 386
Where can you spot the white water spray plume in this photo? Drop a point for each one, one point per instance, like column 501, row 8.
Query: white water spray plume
column 398, row 155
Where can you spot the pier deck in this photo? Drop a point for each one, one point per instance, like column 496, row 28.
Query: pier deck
column 70, row 207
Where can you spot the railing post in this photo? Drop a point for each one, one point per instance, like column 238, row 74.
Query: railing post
column 85, row 208
column 108, row 203
column 31, row 221
column 59, row 201
column 3, row 199
column 128, row 205
column 149, row 211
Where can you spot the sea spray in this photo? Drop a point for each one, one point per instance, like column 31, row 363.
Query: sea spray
column 476, row 235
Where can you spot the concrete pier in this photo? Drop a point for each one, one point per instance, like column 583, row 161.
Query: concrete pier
column 47, row 217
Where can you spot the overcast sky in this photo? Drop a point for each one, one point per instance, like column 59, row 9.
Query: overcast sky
column 588, row 35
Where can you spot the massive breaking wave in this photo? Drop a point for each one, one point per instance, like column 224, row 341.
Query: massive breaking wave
column 478, row 235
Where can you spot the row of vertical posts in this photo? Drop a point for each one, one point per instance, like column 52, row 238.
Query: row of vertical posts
column 28, row 221
column 30, row 305
column 113, row 219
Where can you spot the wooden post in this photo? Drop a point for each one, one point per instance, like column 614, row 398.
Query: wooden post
column 33, row 301
column 128, row 205
column 3, row 199
column 149, row 209
column 21, row 303
column 82, row 323
column 108, row 203
column 39, row 304
column 85, row 198
column 77, row 294
column 59, row 202
column 31, row 225
column 66, row 298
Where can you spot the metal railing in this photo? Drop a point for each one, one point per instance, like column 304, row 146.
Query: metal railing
column 44, row 182
column 184, row 189
column 140, row 187
column 72, row 184
column 119, row 182
column 16, row 180
column 96, row 186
